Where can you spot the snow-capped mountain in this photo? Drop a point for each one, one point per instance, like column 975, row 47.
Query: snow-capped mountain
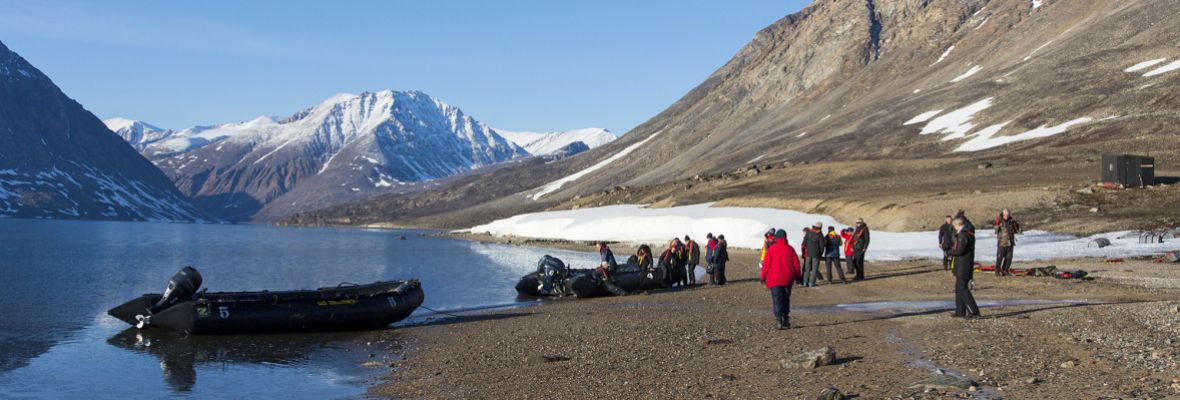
column 548, row 143
column 57, row 160
column 138, row 134
column 346, row 148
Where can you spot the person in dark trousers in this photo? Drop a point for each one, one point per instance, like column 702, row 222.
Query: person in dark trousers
column 946, row 239
column 963, row 266
column 668, row 263
column 780, row 270
column 846, row 234
column 832, row 244
column 813, row 250
column 1006, row 230
column 710, row 248
column 692, row 252
column 720, row 257
column 644, row 257
column 860, row 245
column 681, row 261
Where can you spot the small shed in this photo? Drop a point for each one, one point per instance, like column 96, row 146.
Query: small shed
column 1128, row 170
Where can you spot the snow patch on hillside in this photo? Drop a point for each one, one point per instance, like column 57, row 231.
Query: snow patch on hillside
column 957, row 123
column 555, row 185
column 943, row 56
column 985, row 139
column 967, row 74
column 1144, row 65
column 743, row 228
column 1172, row 66
column 923, row 117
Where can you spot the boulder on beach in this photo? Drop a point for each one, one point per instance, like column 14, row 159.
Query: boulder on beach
column 944, row 382
column 810, row 360
column 1099, row 243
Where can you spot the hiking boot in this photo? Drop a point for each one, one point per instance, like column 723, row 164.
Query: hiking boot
column 953, row 315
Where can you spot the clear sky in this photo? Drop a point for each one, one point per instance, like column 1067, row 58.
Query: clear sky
column 517, row 65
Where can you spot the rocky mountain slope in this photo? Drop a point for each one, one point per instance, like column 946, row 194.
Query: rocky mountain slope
column 138, row 134
column 1026, row 85
column 346, row 148
column 57, row 160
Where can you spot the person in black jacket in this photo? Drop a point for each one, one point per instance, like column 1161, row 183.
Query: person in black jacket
column 720, row 257
column 860, row 245
column 964, row 269
column 946, row 239
column 1006, row 230
column 813, row 250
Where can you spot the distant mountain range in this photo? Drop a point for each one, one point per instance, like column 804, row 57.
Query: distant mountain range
column 57, row 160
column 550, row 143
column 348, row 147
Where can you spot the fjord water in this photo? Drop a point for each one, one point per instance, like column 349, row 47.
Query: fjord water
column 58, row 278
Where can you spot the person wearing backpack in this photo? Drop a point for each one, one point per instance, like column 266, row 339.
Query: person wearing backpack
column 832, row 244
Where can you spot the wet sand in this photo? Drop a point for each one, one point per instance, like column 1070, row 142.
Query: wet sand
column 1117, row 336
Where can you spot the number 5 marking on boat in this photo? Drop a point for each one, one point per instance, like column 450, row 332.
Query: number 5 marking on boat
column 392, row 302
column 223, row 312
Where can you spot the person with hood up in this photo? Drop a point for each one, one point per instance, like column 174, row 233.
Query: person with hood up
column 832, row 244
column 963, row 266
column 779, row 271
column 813, row 250
column 1006, row 230
column 710, row 248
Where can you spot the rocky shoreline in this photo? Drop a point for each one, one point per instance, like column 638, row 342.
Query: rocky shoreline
column 1111, row 337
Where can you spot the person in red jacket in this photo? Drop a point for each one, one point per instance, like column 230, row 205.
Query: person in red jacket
column 847, row 235
column 779, row 271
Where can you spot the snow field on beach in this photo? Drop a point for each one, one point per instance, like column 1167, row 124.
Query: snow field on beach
column 743, row 227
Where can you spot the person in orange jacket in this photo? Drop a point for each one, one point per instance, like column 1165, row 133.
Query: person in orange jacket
column 780, row 270
column 847, row 235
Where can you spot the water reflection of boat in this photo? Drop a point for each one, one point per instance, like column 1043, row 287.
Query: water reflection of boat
column 353, row 307
column 180, row 355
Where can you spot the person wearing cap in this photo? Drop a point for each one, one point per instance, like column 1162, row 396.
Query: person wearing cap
column 832, row 244
column 767, row 240
column 780, row 270
column 963, row 267
column 720, row 257
column 692, row 252
column 813, row 249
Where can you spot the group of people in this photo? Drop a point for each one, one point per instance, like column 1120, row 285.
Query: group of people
column 781, row 268
column 679, row 258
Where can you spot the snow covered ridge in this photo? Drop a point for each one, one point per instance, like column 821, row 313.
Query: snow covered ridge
column 744, row 227
column 547, row 143
column 109, row 197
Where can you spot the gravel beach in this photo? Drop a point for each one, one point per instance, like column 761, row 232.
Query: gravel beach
column 1117, row 336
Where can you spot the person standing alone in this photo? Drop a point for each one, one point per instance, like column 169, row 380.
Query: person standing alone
column 946, row 239
column 1006, row 230
column 860, row 245
column 780, row 269
column 963, row 266
column 813, row 250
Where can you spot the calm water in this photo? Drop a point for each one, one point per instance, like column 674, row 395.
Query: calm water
column 58, row 278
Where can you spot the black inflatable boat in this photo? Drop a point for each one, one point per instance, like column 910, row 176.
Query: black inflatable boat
column 345, row 307
column 584, row 283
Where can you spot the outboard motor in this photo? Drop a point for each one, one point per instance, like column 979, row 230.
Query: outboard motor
column 182, row 287
column 552, row 271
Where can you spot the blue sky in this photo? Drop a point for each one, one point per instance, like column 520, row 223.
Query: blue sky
column 518, row 65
